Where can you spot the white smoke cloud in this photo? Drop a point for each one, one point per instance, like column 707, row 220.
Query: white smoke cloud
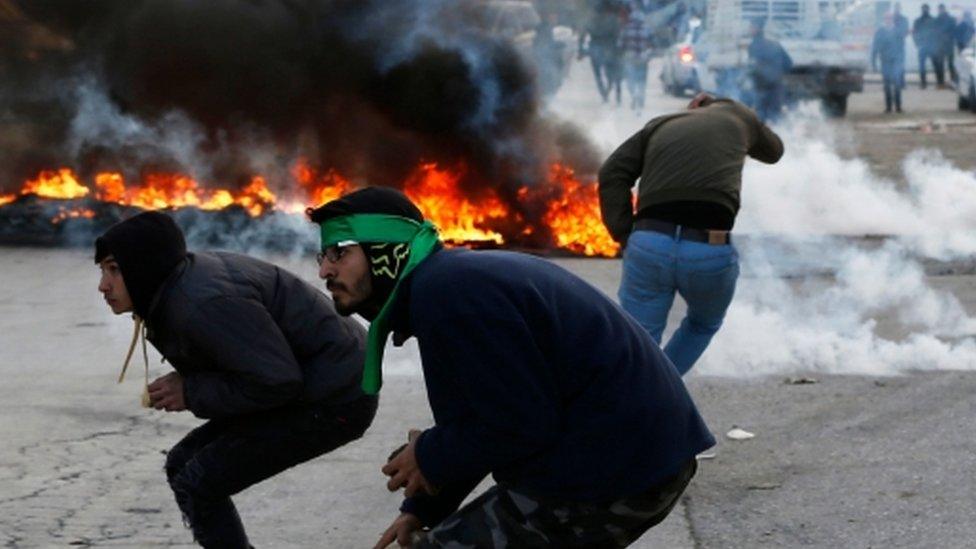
column 815, row 294
column 813, row 190
column 99, row 122
column 854, row 305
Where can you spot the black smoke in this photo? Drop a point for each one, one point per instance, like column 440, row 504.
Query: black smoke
column 367, row 87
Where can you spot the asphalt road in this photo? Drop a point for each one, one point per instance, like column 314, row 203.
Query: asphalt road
column 848, row 461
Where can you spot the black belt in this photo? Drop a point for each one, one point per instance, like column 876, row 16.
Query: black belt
column 707, row 236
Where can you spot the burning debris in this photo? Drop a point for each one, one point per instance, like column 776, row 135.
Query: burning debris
column 148, row 104
column 54, row 208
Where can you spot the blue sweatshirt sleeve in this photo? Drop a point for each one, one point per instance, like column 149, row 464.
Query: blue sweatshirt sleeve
column 500, row 388
column 432, row 510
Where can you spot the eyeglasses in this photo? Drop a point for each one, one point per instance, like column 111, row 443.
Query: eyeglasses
column 332, row 253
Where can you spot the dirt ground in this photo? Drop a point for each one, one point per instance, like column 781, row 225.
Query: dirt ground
column 931, row 120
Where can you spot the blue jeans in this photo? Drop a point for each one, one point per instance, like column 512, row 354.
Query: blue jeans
column 656, row 266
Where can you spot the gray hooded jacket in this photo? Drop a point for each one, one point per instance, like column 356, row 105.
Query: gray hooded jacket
column 247, row 336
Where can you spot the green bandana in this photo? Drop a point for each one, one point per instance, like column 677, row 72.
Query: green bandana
column 363, row 228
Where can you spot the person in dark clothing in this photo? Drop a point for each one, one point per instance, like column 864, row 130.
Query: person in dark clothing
column 532, row 375
column 945, row 31
column 635, row 44
column 690, row 169
column 902, row 31
column 548, row 54
column 603, row 30
column 258, row 352
column 965, row 30
column 924, row 33
column 769, row 63
column 887, row 47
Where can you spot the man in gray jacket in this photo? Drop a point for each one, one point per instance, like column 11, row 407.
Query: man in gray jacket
column 690, row 170
column 258, row 352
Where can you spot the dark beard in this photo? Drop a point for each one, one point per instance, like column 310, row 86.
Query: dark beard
column 367, row 308
column 345, row 311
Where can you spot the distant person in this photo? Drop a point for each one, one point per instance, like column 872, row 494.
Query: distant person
column 902, row 30
column 635, row 47
column 533, row 376
column 603, row 31
column 889, row 49
column 690, row 170
column 925, row 35
column 259, row 353
column 830, row 27
column 965, row 30
column 945, row 26
column 679, row 21
column 548, row 53
column 768, row 65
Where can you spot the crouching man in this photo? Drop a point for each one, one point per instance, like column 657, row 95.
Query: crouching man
column 533, row 376
column 258, row 352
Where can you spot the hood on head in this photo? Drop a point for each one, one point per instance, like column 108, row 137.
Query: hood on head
column 147, row 248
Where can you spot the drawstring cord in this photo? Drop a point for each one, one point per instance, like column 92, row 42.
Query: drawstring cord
column 139, row 329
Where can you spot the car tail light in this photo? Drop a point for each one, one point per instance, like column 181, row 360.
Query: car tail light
column 686, row 54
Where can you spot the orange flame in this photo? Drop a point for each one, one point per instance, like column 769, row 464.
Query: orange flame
column 60, row 183
column 437, row 194
column 319, row 188
column 110, row 187
column 571, row 207
column 574, row 217
column 175, row 191
column 68, row 214
column 256, row 197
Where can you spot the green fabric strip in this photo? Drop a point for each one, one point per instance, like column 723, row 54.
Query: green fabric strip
column 368, row 228
column 423, row 241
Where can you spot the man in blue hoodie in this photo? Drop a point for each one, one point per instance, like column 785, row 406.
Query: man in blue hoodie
column 533, row 376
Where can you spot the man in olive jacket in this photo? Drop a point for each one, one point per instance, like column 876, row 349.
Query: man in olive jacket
column 690, row 169
column 260, row 353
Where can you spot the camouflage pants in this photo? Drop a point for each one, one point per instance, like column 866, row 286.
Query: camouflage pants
column 502, row 517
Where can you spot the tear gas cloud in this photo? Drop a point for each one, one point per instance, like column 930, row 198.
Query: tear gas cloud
column 871, row 310
column 815, row 296
column 813, row 191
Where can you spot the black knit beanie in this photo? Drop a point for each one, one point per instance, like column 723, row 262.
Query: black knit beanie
column 147, row 248
column 373, row 200
column 386, row 259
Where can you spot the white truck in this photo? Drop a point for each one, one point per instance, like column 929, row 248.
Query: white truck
column 824, row 65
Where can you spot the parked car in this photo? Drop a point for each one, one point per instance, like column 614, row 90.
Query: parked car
column 682, row 65
column 966, row 88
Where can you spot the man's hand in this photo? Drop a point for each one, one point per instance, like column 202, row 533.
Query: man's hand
column 703, row 99
column 166, row 393
column 401, row 531
column 403, row 470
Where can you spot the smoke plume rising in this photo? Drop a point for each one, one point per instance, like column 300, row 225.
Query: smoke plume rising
column 225, row 89
column 855, row 305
